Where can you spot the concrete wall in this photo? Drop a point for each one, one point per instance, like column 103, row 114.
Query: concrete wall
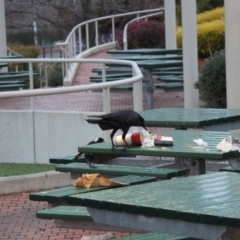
column 28, row 137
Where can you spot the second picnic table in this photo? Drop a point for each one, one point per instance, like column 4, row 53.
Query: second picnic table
column 183, row 147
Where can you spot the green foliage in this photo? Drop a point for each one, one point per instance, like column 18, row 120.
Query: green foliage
column 55, row 77
column 202, row 6
column 31, row 51
column 211, row 37
column 212, row 81
column 143, row 34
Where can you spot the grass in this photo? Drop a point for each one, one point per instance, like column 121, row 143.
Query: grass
column 15, row 169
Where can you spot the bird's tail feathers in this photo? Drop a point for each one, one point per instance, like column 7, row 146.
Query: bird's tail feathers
column 104, row 126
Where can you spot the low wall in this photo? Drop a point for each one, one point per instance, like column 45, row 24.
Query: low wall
column 34, row 137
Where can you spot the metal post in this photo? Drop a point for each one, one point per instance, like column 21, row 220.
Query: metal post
column 232, row 48
column 31, row 83
column 190, row 55
column 170, row 23
column 106, row 92
column 137, row 95
column 96, row 33
column 113, row 29
column 3, row 38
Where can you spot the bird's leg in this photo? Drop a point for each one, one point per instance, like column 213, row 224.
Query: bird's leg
column 123, row 138
column 89, row 160
column 77, row 156
column 111, row 136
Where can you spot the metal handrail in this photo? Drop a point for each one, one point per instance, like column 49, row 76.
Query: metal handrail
column 136, row 80
column 69, row 45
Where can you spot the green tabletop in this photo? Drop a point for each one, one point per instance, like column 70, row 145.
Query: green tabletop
column 207, row 199
column 189, row 117
column 183, row 146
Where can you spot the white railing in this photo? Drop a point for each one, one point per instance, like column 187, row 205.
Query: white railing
column 136, row 80
column 125, row 41
column 72, row 46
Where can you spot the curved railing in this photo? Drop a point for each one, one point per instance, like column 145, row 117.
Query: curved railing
column 72, row 47
column 74, row 55
column 136, row 80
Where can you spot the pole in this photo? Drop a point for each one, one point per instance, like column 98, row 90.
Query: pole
column 232, row 48
column 190, row 55
column 170, row 24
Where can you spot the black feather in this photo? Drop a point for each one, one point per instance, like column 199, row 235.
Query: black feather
column 121, row 120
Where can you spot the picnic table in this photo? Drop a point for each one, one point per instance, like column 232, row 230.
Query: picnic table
column 203, row 206
column 183, row 147
column 183, row 118
column 147, row 68
column 148, row 60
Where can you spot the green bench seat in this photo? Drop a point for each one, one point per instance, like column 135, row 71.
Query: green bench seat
column 66, row 159
column 168, row 69
column 65, row 212
column 122, row 75
column 170, row 86
column 229, row 169
column 61, row 194
column 7, row 87
column 81, row 214
column 111, row 71
column 99, row 80
column 157, row 236
column 16, row 75
column 11, row 82
column 162, row 173
column 168, row 73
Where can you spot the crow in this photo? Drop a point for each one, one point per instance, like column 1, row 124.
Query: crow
column 89, row 156
column 122, row 120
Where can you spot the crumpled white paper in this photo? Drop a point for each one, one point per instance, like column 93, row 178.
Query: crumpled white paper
column 148, row 141
column 229, row 144
column 200, row 142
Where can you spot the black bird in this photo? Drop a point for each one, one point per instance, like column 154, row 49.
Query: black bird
column 119, row 120
column 89, row 156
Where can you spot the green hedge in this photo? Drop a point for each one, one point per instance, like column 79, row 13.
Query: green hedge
column 209, row 16
column 211, row 37
column 212, row 81
column 31, row 51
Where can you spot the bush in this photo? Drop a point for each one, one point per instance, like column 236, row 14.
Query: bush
column 209, row 16
column 55, row 77
column 212, row 81
column 144, row 34
column 31, row 51
column 211, row 37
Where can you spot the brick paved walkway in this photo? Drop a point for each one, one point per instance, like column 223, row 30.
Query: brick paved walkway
column 18, row 221
column 17, row 213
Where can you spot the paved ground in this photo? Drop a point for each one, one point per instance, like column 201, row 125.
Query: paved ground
column 17, row 213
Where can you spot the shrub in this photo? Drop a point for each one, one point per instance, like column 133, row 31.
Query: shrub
column 212, row 81
column 31, row 51
column 55, row 77
column 143, row 34
column 208, row 16
column 211, row 37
